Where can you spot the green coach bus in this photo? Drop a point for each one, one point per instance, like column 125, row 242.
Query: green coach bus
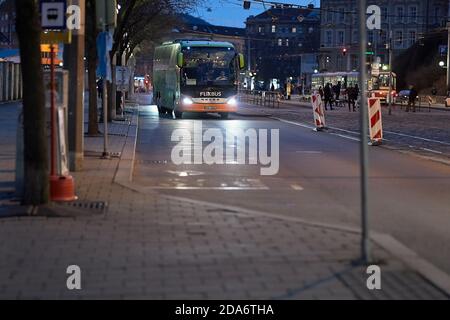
column 196, row 76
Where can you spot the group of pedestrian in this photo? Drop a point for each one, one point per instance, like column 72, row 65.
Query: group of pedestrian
column 331, row 95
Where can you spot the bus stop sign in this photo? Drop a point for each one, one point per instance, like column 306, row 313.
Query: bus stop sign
column 53, row 14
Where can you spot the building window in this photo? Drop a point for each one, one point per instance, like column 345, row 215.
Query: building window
column 413, row 14
column 294, row 30
column 400, row 14
column 383, row 38
column 274, row 28
column 328, row 38
column 412, row 37
column 260, row 29
column 437, row 12
column 384, row 13
column 287, row 42
column 342, row 15
column 280, row 42
column 354, row 63
column 329, row 15
column 355, row 36
column 340, row 38
column 399, row 39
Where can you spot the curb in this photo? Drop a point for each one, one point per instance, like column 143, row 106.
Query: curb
column 125, row 168
column 408, row 257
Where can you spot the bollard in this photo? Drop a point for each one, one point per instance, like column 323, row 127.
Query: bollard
column 375, row 124
column 319, row 115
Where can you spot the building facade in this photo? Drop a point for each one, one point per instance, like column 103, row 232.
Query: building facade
column 283, row 43
column 8, row 38
column 408, row 20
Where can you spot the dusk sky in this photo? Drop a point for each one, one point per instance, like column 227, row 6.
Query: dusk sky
column 231, row 12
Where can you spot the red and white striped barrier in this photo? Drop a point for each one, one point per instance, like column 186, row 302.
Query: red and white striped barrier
column 319, row 115
column 375, row 124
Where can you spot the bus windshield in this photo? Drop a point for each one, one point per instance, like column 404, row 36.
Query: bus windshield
column 208, row 66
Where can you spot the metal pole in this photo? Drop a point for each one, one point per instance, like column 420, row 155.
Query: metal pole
column 105, row 154
column 390, row 67
column 364, row 156
column 249, row 67
column 448, row 51
column 52, row 111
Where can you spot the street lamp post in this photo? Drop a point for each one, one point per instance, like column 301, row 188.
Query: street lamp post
column 391, row 80
column 448, row 50
column 364, row 152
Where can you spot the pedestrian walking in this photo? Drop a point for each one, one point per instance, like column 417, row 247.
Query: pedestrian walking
column 412, row 99
column 288, row 90
column 328, row 96
column 100, row 88
column 351, row 98
column 321, row 92
column 337, row 90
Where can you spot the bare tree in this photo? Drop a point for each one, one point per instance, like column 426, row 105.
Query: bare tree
column 36, row 187
column 140, row 20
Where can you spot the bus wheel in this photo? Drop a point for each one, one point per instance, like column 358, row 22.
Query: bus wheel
column 224, row 115
column 178, row 114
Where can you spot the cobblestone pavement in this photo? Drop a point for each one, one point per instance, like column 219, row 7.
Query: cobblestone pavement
column 424, row 132
column 147, row 246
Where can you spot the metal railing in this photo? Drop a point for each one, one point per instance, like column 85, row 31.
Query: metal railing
column 10, row 81
column 261, row 98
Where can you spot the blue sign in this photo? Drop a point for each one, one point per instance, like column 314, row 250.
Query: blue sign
column 104, row 47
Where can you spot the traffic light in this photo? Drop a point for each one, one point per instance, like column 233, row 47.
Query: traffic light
column 344, row 52
column 247, row 5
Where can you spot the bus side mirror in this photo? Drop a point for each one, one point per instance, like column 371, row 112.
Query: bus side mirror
column 241, row 61
column 180, row 60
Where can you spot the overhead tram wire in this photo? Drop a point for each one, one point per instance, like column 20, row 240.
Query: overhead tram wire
column 284, row 5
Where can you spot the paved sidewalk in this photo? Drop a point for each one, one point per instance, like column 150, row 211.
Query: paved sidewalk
column 149, row 246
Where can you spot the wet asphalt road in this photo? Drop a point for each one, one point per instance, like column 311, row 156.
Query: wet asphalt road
column 318, row 180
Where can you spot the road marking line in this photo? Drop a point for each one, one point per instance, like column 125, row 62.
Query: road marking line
column 345, row 137
column 433, row 151
column 207, row 188
column 419, row 138
column 310, row 152
column 294, row 123
column 297, row 187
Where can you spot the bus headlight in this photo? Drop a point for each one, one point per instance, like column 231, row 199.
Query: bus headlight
column 187, row 101
column 232, row 102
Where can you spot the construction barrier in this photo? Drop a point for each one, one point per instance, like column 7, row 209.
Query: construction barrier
column 375, row 123
column 319, row 115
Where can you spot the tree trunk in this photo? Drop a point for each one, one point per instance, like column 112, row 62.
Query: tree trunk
column 36, row 187
column 91, row 44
